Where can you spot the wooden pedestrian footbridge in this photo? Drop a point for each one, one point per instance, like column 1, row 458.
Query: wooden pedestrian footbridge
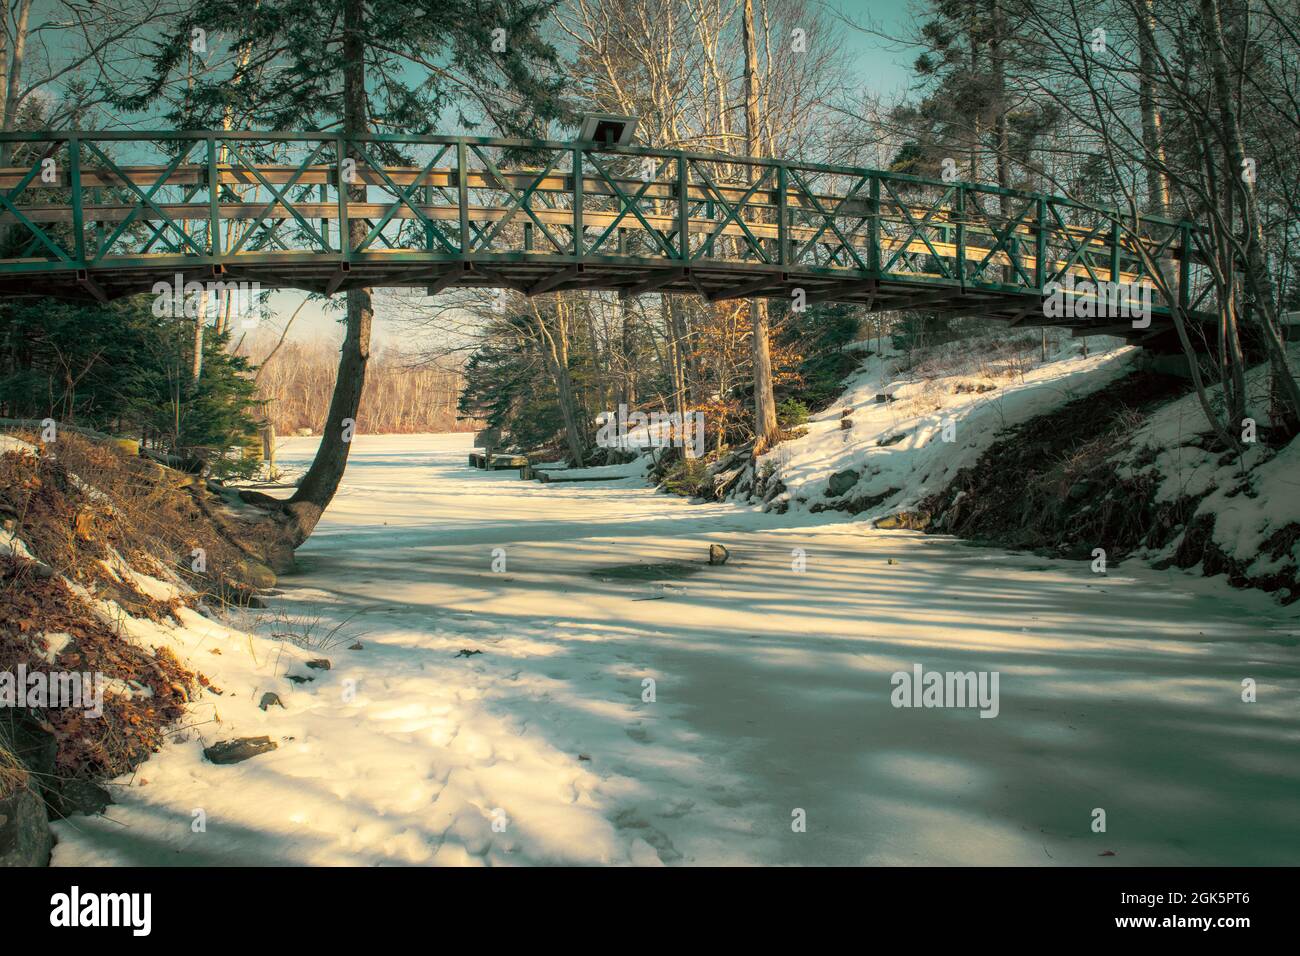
column 98, row 215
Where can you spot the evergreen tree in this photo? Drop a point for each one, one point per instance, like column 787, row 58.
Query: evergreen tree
column 359, row 66
column 972, row 110
column 123, row 369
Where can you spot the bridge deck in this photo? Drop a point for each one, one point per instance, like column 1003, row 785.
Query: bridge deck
column 104, row 215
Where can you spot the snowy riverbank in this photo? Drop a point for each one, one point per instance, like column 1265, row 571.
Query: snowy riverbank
column 771, row 694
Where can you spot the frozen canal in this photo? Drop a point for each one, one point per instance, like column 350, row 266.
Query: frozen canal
column 612, row 719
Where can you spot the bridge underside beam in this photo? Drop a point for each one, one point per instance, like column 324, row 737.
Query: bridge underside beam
column 715, row 280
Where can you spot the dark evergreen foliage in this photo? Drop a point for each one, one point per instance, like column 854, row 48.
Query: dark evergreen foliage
column 122, row 369
column 422, row 58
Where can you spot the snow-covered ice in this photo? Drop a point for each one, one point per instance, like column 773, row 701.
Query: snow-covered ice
column 771, row 695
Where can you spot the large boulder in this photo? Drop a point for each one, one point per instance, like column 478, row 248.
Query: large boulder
column 76, row 796
column 25, row 838
column 31, row 745
column 255, row 573
column 35, row 750
column 25, row 773
column 841, row 482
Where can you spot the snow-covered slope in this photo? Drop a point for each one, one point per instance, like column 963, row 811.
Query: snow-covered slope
column 1253, row 502
column 912, row 428
column 935, row 419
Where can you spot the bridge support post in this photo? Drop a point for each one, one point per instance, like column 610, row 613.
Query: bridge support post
column 873, row 228
column 1114, row 250
column 1040, row 247
column 579, row 243
column 782, row 225
column 462, row 196
column 961, row 237
column 214, row 201
column 683, row 212
column 323, row 193
column 78, row 224
column 345, row 238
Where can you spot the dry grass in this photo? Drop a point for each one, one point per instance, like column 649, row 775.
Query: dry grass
column 12, row 774
column 309, row 632
column 33, row 606
column 97, row 517
column 80, row 505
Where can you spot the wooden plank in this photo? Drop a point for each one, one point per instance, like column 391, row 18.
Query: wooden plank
column 797, row 202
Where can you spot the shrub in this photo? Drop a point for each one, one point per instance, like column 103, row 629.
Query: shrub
column 686, row 477
column 791, row 413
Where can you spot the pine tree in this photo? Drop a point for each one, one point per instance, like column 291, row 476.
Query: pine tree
column 360, row 66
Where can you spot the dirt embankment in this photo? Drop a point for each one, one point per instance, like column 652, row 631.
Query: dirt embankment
column 90, row 537
column 1054, row 485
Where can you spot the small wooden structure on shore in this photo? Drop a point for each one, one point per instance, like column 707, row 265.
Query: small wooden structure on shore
column 491, row 462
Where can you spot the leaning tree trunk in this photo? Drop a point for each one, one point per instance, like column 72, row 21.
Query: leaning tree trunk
column 322, row 479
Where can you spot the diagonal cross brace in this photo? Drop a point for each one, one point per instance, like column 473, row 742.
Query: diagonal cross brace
column 6, row 199
column 916, row 229
column 733, row 212
column 1000, row 240
column 404, row 198
column 278, row 196
column 519, row 200
column 146, row 200
column 829, row 218
column 630, row 205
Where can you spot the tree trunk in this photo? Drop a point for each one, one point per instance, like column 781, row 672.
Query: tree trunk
column 268, row 447
column 1258, row 272
column 196, row 360
column 1152, row 122
column 628, row 386
column 972, row 30
column 1001, row 121
column 555, row 352
column 4, row 84
column 676, row 355
column 11, row 66
column 322, row 479
column 15, row 85
column 765, row 430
